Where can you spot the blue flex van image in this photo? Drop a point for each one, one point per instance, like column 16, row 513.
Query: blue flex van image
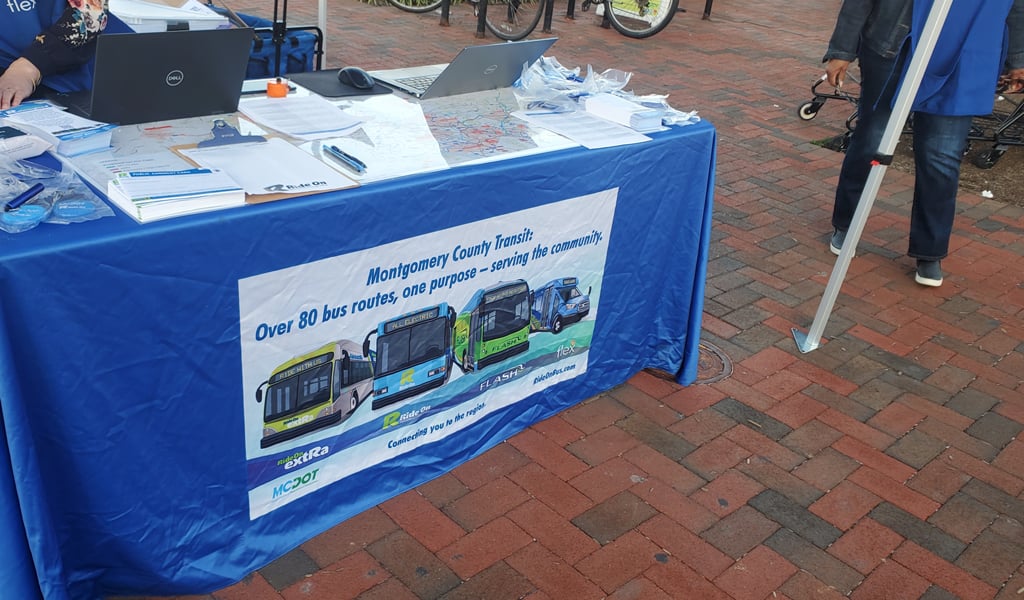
column 558, row 303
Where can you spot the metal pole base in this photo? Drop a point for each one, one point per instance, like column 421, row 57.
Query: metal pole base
column 803, row 344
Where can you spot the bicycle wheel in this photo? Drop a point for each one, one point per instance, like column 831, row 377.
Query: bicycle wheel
column 640, row 18
column 513, row 19
column 416, row 6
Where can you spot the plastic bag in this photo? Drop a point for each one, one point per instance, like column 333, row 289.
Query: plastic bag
column 547, row 85
column 29, row 214
column 64, row 199
column 547, row 81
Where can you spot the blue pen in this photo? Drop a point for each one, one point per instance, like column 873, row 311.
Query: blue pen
column 23, row 197
column 345, row 158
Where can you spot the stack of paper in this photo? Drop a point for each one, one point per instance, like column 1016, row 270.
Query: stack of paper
column 148, row 196
column 151, row 16
column 624, row 112
column 69, row 134
column 309, row 117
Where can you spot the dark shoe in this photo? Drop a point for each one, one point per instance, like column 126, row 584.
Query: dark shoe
column 835, row 244
column 929, row 273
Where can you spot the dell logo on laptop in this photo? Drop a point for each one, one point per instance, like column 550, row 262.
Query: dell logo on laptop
column 174, row 78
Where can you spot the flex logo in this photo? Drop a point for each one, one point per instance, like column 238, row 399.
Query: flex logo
column 566, row 350
column 18, row 6
column 406, row 377
column 391, row 419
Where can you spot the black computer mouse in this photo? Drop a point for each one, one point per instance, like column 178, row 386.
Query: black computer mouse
column 356, row 77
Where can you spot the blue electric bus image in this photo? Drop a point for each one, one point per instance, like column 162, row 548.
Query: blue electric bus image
column 313, row 390
column 494, row 325
column 558, row 303
column 413, row 354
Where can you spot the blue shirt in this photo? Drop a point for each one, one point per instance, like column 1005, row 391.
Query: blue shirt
column 968, row 57
column 20, row 22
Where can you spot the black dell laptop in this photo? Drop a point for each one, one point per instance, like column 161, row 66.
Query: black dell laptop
column 143, row 77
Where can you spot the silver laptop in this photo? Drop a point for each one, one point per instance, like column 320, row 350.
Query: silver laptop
column 474, row 69
column 143, row 77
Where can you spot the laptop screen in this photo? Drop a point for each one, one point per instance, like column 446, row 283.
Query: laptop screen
column 142, row 77
column 474, row 69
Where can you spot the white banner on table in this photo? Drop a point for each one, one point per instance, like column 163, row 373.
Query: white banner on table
column 362, row 358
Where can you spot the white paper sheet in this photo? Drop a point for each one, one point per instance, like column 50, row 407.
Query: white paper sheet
column 306, row 117
column 271, row 167
column 395, row 140
column 586, row 129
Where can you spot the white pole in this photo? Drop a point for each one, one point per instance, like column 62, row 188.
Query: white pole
column 321, row 22
column 901, row 110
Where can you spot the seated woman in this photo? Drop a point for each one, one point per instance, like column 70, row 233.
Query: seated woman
column 47, row 42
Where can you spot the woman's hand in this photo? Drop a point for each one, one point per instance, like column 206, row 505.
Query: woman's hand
column 835, row 70
column 18, row 82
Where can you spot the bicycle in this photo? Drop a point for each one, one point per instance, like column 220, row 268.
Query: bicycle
column 520, row 16
column 637, row 19
column 416, row 6
column 515, row 19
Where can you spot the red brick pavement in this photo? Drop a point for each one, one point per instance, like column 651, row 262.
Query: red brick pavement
column 884, row 464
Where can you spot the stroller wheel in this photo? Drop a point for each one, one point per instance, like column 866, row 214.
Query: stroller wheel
column 987, row 159
column 808, row 110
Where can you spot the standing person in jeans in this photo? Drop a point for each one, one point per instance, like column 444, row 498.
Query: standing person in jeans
column 47, row 42
column 976, row 40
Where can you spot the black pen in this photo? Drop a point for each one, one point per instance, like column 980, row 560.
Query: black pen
column 346, row 159
column 23, row 197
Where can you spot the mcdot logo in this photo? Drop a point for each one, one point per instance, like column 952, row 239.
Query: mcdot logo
column 298, row 481
column 174, row 78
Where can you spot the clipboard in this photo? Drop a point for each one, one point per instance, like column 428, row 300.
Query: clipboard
column 224, row 135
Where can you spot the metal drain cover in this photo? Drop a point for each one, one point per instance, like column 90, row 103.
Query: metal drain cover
column 712, row 364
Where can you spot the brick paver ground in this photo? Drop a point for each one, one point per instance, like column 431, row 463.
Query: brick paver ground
column 885, row 464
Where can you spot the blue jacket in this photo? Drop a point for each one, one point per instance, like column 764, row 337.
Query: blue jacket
column 970, row 53
column 877, row 25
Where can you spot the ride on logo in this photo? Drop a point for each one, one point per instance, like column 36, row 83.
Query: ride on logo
column 391, row 419
column 398, row 417
column 406, row 377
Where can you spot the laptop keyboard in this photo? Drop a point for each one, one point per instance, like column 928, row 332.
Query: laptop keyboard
column 419, row 83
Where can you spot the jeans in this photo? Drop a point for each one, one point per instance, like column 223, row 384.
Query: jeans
column 939, row 143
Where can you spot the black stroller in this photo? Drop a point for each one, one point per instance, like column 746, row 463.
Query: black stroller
column 1003, row 128
column 808, row 110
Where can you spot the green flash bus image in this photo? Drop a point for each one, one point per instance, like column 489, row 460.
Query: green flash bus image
column 314, row 390
column 413, row 354
column 494, row 325
column 558, row 303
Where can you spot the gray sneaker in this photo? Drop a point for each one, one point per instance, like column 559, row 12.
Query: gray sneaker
column 929, row 272
column 835, row 244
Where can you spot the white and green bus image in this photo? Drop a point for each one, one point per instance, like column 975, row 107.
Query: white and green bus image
column 495, row 325
column 314, row 390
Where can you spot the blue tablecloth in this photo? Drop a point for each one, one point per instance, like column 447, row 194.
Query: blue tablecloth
column 140, row 365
